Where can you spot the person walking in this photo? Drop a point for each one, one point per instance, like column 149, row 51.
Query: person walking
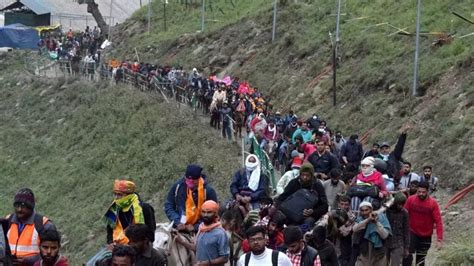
column 424, row 216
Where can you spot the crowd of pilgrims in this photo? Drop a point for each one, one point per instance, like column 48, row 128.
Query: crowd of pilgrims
column 335, row 204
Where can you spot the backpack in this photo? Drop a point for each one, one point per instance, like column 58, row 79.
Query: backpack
column 274, row 258
column 150, row 221
column 294, row 205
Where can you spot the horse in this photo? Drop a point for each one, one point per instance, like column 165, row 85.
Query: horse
column 232, row 220
column 271, row 149
column 215, row 114
column 239, row 118
column 177, row 254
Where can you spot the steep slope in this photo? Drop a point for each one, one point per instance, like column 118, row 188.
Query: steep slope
column 374, row 72
column 68, row 140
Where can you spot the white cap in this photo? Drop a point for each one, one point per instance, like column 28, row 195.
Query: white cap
column 365, row 204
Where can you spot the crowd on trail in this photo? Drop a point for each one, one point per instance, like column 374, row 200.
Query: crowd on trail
column 335, row 204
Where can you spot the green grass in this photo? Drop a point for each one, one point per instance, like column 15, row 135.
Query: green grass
column 69, row 151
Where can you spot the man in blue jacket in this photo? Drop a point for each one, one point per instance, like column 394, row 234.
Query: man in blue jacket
column 185, row 199
column 249, row 185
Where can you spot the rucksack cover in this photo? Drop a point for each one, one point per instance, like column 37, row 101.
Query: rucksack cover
column 294, row 205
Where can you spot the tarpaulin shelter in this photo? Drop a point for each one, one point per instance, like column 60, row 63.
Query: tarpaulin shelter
column 28, row 12
column 19, row 36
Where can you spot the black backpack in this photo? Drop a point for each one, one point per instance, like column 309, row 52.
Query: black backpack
column 150, row 221
column 274, row 258
column 294, row 205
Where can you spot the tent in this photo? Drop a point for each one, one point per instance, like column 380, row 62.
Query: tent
column 19, row 36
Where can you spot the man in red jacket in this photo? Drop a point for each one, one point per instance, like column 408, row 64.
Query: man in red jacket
column 424, row 215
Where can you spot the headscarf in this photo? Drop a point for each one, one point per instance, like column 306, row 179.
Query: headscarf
column 369, row 170
column 124, row 186
column 254, row 168
column 124, row 204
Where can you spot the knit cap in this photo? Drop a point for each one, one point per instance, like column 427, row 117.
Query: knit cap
column 25, row 196
column 193, row 171
column 307, row 168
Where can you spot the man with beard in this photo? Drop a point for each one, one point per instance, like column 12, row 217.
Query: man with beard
column 297, row 250
column 333, row 187
column 432, row 180
column 308, row 190
column 424, row 215
column 123, row 255
column 407, row 177
column 260, row 255
column 138, row 236
column 399, row 241
column 370, row 230
column 25, row 225
column 49, row 249
column 322, row 160
column 212, row 242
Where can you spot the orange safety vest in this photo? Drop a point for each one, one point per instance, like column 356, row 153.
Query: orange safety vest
column 27, row 243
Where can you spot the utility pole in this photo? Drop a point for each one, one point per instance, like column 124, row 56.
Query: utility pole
column 203, row 2
column 274, row 19
column 149, row 15
column 110, row 22
column 334, row 55
column 417, row 48
column 165, row 3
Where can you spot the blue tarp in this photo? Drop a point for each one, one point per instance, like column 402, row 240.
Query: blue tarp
column 19, row 36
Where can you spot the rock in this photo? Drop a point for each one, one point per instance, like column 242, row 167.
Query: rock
column 18, row 84
column 198, row 50
column 453, row 213
column 52, row 100
column 220, row 60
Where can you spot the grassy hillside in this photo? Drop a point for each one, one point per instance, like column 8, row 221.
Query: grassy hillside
column 374, row 73
column 68, row 140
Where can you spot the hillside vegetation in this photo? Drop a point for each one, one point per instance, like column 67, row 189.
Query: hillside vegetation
column 69, row 139
column 374, row 73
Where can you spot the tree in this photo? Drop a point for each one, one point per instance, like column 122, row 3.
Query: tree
column 93, row 8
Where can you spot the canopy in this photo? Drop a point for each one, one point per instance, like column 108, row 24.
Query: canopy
column 19, row 36
column 48, row 28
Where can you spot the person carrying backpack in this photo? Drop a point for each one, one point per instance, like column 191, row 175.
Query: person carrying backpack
column 24, row 228
column 260, row 255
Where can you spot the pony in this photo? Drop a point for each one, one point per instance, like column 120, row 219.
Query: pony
column 165, row 239
column 239, row 118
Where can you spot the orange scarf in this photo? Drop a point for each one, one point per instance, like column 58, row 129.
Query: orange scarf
column 192, row 211
column 206, row 228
